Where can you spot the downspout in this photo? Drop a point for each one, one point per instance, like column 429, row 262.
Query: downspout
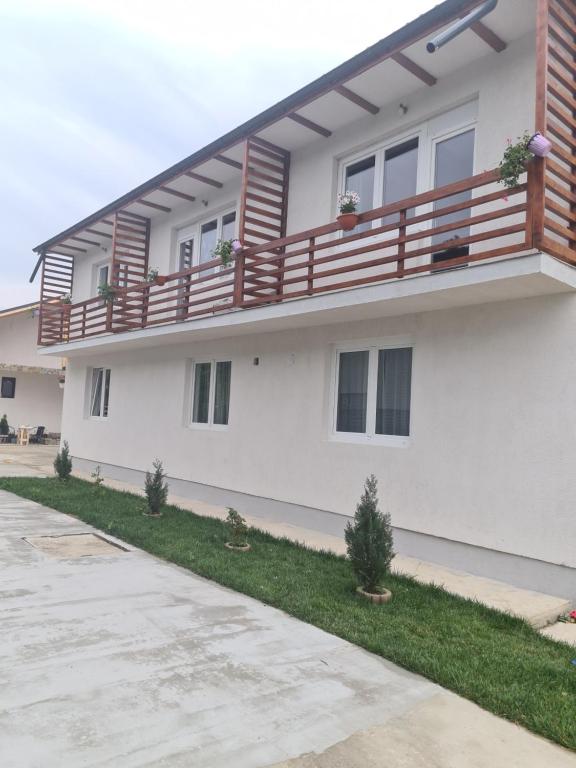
column 461, row 25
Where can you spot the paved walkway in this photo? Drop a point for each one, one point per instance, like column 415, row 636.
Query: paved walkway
column 119, row 659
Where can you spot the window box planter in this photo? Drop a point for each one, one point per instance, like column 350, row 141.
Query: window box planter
column 347, row 221
column 160, row 279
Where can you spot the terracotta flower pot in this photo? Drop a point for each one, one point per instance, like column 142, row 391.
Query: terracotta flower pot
column 375, row 597
column 238, row 548
column 347, row 221
column 539, row 145
column 160, row 279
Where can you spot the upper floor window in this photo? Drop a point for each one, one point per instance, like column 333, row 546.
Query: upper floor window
column 100, row 392
column 196, row 243
column 211, row 392
column 8, row 386
column 373, row 391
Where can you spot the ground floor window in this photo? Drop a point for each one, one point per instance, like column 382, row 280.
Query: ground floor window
column 211, row 392
column 100, row 392
column 8, row 386
column 373, row 389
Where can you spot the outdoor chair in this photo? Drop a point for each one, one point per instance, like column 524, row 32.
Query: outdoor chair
column 37, row 436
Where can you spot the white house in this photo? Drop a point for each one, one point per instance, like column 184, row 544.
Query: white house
column 433, row 345
column 30, row 384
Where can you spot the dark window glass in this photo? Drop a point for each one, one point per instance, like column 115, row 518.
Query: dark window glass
column 208, row 239
column 222, row 392
column 360, row 178
column 393, row 392
column 201, row 393
column 8, row 386
column 352, row 392
column 228, row 226
column 454, row 162
column 400, row 176
column 106, row 391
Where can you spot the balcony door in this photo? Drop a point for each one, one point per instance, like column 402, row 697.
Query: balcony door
column 453, row 161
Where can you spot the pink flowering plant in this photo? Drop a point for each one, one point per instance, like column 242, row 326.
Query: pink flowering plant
column 514, row 160
column 570, row 618
column 348, row 202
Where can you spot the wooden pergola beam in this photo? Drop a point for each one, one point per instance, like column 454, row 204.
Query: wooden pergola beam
column 489, row 37
column 176, row 193
column 84, row 240
column 228, row 161
column 204, row 179
column 97, row 232
column 356, row 99
column 414, row 68
column 309, row 124
column 157, row 206
column 72, row 248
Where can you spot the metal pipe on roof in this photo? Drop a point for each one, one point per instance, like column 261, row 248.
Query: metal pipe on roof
column 461, row 25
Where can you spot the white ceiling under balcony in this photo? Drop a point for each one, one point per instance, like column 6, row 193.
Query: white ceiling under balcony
column 382, row 83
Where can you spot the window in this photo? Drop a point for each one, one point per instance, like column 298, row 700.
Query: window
column 102, row 275
column 211, row 392
column 100, row 392
column 400, row 176
column 454, row 161
column 206, row 234
column 360, row 178
column 8, row 386
column 373, row 391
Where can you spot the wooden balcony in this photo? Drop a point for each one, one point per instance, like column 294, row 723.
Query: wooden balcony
column 458, row 225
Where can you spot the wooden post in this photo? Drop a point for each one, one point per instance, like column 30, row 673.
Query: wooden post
column 402, row 243
column 311, row 244
column 239, row 271
column 109, row 316
column 537, row 174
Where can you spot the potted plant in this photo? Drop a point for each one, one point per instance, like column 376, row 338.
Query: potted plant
column 539, row 145
column 226, row 249
column 154, row 277
column 370, row 545
column 516, row 157
column 107, row 292
column 66, row 299
column 156, row 489
column 238, row 530
column 348, row 202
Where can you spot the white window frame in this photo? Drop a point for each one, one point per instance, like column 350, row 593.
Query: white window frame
column 372, row 346
column 193, row 231
column 211, row 396
column 90, row 392
column 450, row 122
column 97, row 269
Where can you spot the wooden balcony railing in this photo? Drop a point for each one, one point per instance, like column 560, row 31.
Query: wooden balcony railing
column 453, row 226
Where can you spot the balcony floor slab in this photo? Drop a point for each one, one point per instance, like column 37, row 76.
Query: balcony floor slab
column 531, row 275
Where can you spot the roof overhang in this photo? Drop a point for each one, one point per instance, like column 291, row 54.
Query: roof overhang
column 388, row 70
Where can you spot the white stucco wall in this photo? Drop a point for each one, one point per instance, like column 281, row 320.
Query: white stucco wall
column 18, row 341
column 491, row 454
column 38, row 399
column 503, row 86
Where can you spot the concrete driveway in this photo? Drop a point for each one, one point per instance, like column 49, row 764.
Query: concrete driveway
column 115, row 659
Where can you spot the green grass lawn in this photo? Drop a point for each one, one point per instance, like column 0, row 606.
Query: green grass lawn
column 497, row 661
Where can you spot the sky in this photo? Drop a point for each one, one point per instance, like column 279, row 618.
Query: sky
column 96, row 96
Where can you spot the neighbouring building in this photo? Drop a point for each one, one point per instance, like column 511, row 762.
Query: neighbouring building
column 433, row 345
column 30, row 384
